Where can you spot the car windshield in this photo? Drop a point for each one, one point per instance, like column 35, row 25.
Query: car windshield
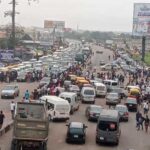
column 112, row 95
column 89, row 92
column 133, row 101
column 76, row 130
column 9, row 88
column 114, row 83
column 107, row 126
column 123, row 109
column 96, row 109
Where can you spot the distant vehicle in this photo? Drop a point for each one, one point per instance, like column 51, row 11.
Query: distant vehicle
column 100, row 89
column 110, row 84
column 76, row 132
column 118, row 90
column 92, row 112
column 74, row 88
column 101, row 62
column 72, row 99
column 99, row 52
column 31, row 127
column 123, row 112
column 108, row 129
column 45, row 80
column 112, row 99
column 110, row 67
column 57, row 108
column 88, row 94
column 131, row 103
column 10, row 91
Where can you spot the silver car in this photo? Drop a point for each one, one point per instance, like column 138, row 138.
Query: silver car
column 10, row 91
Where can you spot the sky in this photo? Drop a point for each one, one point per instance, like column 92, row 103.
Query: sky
column 98, row 15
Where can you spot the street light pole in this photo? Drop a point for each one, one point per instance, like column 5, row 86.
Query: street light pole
column 143, row 48
column 13, row 25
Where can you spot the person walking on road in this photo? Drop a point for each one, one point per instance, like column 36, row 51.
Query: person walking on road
column 1, row 118
column 27, row 96
column 146, row 123
column 12, row 108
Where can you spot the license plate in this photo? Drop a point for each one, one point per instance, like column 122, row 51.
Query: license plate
column 101, row 138
column 76, row 136
column 130, row 105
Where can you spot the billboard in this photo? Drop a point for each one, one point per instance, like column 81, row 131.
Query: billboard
column 141, row 19
column 6, row 55
column 54, row 24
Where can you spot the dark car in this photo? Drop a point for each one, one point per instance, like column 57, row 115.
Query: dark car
column 123, row 112
column 112, row 99
column 131, row 103
column 92, row 112
column 102, row 62
column 118, row 90
column 76, row 132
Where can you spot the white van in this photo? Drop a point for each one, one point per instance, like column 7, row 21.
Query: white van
column 57, row 108
column 100, row 89
column 110, row 83
column 72, row 99
column 88, row 94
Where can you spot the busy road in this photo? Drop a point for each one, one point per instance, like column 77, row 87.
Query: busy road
column 130, row 137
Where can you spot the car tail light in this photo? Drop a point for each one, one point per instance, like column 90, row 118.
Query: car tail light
column 126, row 114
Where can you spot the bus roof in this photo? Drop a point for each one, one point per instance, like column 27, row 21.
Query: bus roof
column 54, row 99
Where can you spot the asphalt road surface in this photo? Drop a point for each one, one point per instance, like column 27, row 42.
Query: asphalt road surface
column 130, row 139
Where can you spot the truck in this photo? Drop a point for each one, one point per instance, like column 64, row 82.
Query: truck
column 31, row 127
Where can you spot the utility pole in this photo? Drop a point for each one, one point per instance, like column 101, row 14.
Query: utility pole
column 13, row 36
column 143, row 48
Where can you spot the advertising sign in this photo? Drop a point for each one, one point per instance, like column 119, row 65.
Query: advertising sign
column 6, row 55
column 54, row 24
column 141, row 19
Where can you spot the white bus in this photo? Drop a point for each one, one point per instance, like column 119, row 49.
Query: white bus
column 57, row 108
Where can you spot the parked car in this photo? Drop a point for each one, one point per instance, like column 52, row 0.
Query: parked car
column 92, row 112
column 112, row 99
column 76, row 132
column 131, row 103
column 123, row 112
column 10, row 91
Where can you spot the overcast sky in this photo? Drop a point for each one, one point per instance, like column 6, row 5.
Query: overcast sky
column 103, row 15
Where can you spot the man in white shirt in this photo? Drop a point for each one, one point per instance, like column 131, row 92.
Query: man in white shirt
column 12, row 108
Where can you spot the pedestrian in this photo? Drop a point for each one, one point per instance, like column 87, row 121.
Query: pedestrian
column 12, row 108
column 27, row 96
column 145, row 107
column 57, row 92
column 146, row 123
column 1, row 118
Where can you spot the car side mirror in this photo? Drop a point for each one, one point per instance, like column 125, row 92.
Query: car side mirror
column 85, row 126
column 67, row 125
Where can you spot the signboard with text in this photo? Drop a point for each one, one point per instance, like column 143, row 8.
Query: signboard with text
column 141, row 19
column 54, row 24
column 6, row 55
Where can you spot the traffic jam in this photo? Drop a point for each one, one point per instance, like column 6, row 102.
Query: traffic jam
column 67, row 80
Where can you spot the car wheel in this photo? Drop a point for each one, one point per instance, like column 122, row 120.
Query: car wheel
column 89, row 119
column 83, row 142
column 67, row 140
column 97, row 142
